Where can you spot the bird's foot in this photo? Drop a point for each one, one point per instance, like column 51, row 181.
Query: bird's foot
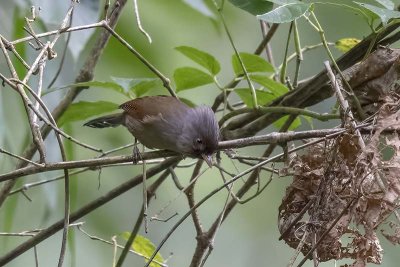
column 136, row 155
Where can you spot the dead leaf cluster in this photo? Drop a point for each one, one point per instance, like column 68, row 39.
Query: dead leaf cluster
column 345, row 195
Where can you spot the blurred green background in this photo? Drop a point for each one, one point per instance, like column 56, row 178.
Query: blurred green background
column 249, row 237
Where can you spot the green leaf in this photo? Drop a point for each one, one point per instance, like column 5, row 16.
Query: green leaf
column 388, row 4
column 204, row 59
column 384, row 14
column 187, row 102
column 124, row 83
column 139, row 86
column 145, row 247
column 252, row 63
column 263, row 97
column 285, row 13
column 254, row 7
column 83, row 110
column 107, row 85
column 187, row 78
column 202, row 7
column 345, row 44
column 295, row 124
column 285, row 2
column 309, row 120
column 110, row 85
column 274, row 87
column 145, row 86
column 365, row 13
column 368, row 14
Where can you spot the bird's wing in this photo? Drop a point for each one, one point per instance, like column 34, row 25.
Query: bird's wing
column 147, row 107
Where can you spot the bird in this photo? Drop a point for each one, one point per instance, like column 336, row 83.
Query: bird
column 165, row 122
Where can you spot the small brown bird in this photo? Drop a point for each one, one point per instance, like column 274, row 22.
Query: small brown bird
column 164, row 122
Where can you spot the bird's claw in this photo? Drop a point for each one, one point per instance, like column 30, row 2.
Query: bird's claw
column 136, row 155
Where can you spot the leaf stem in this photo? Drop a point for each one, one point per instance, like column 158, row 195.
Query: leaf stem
column 246, row 74
column 299, row 53
column 284, row 63
column 284, row 110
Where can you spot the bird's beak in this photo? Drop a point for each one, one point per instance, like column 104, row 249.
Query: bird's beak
column 208, row 159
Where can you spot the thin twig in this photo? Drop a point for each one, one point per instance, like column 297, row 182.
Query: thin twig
column 115, row 246
column 246, row 74
column 299, row 54
column 39, row 89
column 16, row 54
column 28, row 186
column 136, row 9
column 305, row 49
column 66, row 29
column 298, row 249
column 267, row 38
column 282, row 75
column 151, row 192
column 268, row 50
column 163, row 78
column 283, row 110
column 211, row 236
column 183, row 190
column 189, row 192
column 145, row 201
column 63, row 55
column 96, row 238
column 48, row 113
column 321, row 238
column 36, row 135
column 36, row 256
column 21, row 158
column 298, row 218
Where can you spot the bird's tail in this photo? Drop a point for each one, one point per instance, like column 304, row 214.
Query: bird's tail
column 112, row 120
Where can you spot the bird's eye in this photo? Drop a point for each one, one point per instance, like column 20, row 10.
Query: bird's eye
column 199, row 141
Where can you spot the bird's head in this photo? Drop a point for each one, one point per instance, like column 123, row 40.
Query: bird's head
column 200, row 135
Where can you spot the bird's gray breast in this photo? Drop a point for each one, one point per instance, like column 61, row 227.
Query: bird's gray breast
column 159, row 131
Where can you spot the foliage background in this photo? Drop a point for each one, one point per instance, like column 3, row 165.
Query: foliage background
column 250, row 234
